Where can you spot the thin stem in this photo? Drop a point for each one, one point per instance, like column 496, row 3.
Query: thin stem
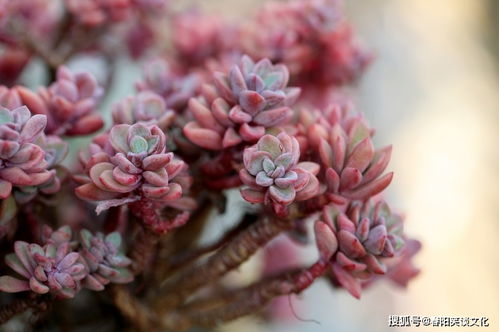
column 21, row 305
column 134, row 311
column 232, row 255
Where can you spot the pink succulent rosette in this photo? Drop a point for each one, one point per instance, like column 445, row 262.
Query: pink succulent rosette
column 362, row 241
column 134, row 163
column 69, row 103
column 353, row 168
column 174, row 87
column 52, row 268
column 104, row 260
column 22, row 161
column 273, row 174
column 146, row 107
column 247, row 101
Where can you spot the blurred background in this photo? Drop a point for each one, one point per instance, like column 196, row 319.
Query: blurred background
column 433, row 93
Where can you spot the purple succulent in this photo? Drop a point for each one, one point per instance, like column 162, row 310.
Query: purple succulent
column 22, row 162
column 146, row 107
column 364, row 237
column 136, row 165
column 104, row 260
column 273, row 174
column 175, row 88
column 353, row 167
column 53, row 268
column 250, row 99
column 69, row 103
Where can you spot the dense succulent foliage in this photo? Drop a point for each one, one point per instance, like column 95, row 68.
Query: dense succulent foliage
column 257, row 106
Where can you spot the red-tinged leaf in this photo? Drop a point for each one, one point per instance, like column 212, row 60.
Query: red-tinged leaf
column 109, row 183
column 274, row 117
column 236, row 81
column 87, row 125
column 222, row 84
column 231, row 138
column 252, row 196
column 92, row 283
column 15, row 264
column 344, row 223
column 32, row 100
column 310, row 167
column 376, row 240
column 156, row 161
column 37, row 286
column 158, row 178
column 349, row 264
column 374, row 265
column 237, row 115
column 350, row 244
column 310, row 190
column 361, row 155
column 350, row 178
column 174, row 193
column 252, row 102
column 12, row 285
column 347, row 281
column 205, row 138
column 325, row 153
column 370, row 189
column 91, row 192
column 248, row 179
column 326, row 240
column 203, row 115
column 251, row 133
column 220, row 109
column 378, row 165
column 16, row 176
column 332, row 180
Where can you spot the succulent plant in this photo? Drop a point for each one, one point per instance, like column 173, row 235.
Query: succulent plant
column 96, row 12
column 22, row 162
column 250, row 99
column 163, row 79
column 353, row 167
column 310, row 37
column 55, row 151
column 53, row 268
column 9, row 98
column 273, row 174
column 69, row 103
column 104, row 260
column 364, row 236
column 146, row 107
column 138, row 166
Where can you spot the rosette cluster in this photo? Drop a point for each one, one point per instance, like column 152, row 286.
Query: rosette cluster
column 311, row 37
column 273, row 174
column 247, row 101
column 128, row 164
column 52, row 268
column 22, row 162
column 69, row 103
column 359, row 241
column 104, row 260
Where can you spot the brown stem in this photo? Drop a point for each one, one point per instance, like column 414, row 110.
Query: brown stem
column 254, row 297
column 134, row 311
column 236, row 252
column 21, row 305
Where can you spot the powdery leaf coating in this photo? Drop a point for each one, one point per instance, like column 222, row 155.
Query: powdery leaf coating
column 129, row 163
column 273, row 175
column 365, row 237
column 52, row 268
column 104, row 260
column 249, row 99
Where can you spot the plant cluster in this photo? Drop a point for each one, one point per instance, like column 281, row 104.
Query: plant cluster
column 254, row 111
